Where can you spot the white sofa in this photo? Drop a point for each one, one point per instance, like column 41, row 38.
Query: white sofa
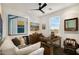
column 8, row 48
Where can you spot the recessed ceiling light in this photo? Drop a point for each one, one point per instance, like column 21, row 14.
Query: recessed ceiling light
column 50, row 8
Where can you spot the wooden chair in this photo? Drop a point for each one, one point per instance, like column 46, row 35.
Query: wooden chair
column 70, row 46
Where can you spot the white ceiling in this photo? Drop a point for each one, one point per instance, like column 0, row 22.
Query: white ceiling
column 27, row 7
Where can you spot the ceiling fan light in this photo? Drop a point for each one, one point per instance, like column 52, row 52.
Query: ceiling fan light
column 39, row 3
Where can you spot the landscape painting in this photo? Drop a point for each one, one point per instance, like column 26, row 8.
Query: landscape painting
column 34, row 26
column 71, row 24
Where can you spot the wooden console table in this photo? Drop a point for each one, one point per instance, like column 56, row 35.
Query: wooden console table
column 56, row 41
column 48, row 49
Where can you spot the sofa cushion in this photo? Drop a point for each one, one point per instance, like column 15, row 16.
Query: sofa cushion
column 22, row 41
column 10, row 51
column 28, row 49
column 16, row 41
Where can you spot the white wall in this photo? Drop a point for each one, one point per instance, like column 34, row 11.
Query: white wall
column 66, row 13
column 45, row 20
column 69, row 13
column 7, row 9
column 0, row 8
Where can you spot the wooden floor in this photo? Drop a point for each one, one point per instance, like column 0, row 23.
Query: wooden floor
column 58, row 51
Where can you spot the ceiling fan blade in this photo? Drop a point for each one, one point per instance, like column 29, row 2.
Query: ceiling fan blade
column 39, row 5
column 42, row 11
column 43, row 6
column 35, row 9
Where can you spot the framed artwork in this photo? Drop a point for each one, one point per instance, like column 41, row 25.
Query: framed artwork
column 34, row 26
column 20, row 26
column 17, row 25
column 43, row 26
column 71, row 24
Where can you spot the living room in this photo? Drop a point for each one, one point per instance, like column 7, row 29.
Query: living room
column 35, row 22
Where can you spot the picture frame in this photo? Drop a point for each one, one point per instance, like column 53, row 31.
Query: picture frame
column 34, row 26
column 43, row 26
column 71, row 24
column 17, row 25
column 1, row 28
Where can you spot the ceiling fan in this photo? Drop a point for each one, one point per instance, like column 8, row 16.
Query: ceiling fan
column 41, row 6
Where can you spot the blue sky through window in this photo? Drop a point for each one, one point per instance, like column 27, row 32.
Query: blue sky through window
column 55, row 22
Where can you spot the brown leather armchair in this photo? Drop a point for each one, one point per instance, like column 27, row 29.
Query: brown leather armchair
column 35, row 37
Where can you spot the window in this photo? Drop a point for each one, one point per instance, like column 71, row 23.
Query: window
column 54, row 24
column 1, row 26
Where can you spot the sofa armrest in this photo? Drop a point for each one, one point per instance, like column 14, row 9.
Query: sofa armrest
column 28, row 49
column 40, row 51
